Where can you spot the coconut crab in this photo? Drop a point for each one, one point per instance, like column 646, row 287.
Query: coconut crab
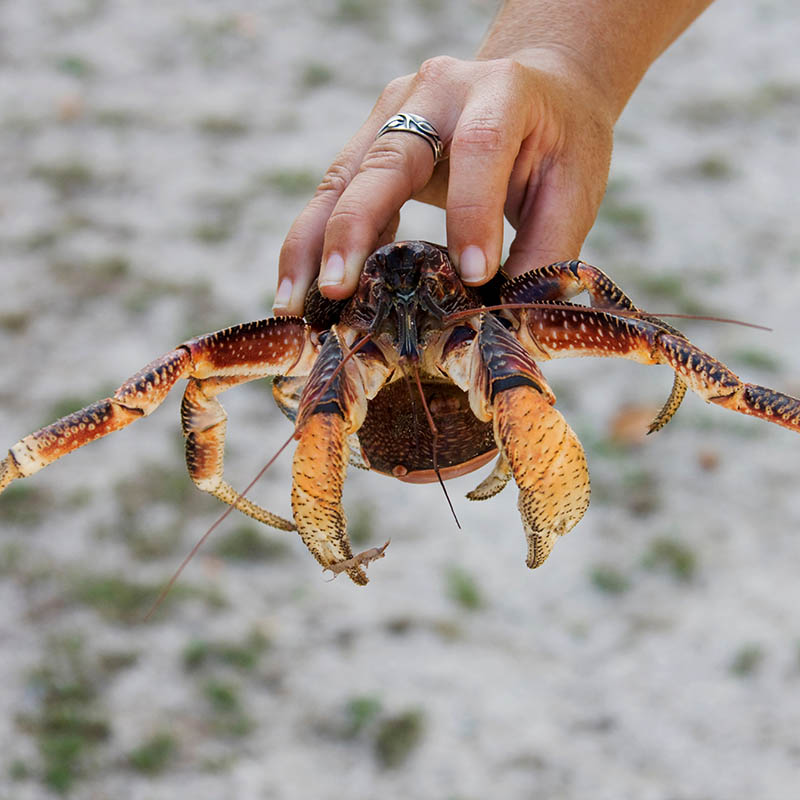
column 338, row 377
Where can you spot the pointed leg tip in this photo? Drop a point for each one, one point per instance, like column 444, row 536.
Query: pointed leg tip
column 536, row 559
column 358, row 576
column 540, row 545
column 9, row 471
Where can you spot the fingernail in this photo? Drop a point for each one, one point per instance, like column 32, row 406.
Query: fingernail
column 333, row 272
column 284, row 295
column 472, row 264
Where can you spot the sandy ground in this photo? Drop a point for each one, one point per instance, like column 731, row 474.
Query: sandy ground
column 151, row 160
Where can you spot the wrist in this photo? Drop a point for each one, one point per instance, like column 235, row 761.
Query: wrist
column 608, row 44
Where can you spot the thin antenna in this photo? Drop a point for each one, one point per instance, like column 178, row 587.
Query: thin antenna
column 413, row 403
column 435, row 434
column 614, row 312
column 165, row 591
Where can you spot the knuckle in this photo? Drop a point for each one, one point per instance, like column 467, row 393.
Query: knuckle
column 335, row 180
column 347, row 218
column 481, row 134
column 433, row 70
column 395, row 89
column 344, row 215
column 386, row 153
column 506, row 70
column 470, row 209
column 387, row 157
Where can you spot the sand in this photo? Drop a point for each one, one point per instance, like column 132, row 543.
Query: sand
column 152, row 158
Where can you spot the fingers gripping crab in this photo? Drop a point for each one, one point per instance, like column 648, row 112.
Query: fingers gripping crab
column 339, row 377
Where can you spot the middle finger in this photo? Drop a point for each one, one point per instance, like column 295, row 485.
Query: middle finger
column 396, row 167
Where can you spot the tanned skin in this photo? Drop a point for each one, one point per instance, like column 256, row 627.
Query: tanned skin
column 528, row 126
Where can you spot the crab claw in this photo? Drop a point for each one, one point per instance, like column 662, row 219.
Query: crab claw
column 318, row 472
column 536, row 445
column 332, row 407
column 548, row 464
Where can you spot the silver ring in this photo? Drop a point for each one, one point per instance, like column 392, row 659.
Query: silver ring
column 414, row 123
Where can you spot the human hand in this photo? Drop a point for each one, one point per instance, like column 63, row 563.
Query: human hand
column 529, row 137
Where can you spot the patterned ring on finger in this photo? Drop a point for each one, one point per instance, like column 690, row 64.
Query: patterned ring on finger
column 405, row 122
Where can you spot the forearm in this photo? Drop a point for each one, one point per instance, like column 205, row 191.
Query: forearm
column 612, row 41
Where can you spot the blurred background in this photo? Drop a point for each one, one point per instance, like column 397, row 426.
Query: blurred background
column 152, row 157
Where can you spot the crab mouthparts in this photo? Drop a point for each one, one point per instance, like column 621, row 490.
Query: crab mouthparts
column 407, row 341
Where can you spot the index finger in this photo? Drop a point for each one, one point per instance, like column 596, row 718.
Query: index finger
column 396, row 167
column 302, row 249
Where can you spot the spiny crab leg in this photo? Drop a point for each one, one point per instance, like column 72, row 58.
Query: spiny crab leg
column 565, row 330
column 549, row 466
column 495, row 481
column 560, row 333
column 212, row 363
column 318, row 472
column 558, row 282
column 667, row 412
column 204, row 422
column 365, row 558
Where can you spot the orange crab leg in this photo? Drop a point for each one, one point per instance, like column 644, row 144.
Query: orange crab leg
column 333, row 406
column 138, row 396
column 543, row 454
column 204, row 422
column 318, row 472
column 559, row 333
column 213, row 363
column 565, row 279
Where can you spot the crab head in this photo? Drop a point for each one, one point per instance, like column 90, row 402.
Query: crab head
column 406, row 290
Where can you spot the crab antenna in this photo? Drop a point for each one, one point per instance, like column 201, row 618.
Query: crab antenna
column 412, row 402
column 616, row 312
column 435, row 434
column 165, row 591
column 201, row 541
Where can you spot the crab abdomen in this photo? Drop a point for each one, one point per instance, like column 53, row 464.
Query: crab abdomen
column 396, row 439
